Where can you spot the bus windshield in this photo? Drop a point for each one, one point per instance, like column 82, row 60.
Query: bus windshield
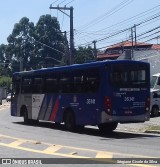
column 125, row 76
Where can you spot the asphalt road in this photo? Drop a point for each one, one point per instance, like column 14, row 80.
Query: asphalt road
column 45, row 140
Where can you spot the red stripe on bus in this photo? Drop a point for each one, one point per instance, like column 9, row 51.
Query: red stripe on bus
column 55, row 110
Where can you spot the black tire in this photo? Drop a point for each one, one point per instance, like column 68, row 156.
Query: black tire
column 25, row 116
column 107, row 127
column 155, row 111
column 69, row 121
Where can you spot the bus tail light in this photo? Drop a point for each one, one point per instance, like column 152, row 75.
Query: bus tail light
column 108, row 104
column 147, row 105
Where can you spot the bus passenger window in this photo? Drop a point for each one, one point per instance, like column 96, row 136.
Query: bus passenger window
column 15, row 88
column 51, row 85
column 37, row 85
column 65, row 85
column 26, row 85
column 78, row 84
column 92, row 81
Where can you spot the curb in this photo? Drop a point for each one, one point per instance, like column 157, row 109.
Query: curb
column 153, row 131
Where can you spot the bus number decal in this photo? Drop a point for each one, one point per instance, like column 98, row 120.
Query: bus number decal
column 129, row 98
column 91, row 101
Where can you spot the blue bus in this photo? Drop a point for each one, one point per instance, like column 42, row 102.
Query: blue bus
column 101, row 94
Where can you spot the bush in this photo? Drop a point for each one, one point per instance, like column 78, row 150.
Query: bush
column 5, row 81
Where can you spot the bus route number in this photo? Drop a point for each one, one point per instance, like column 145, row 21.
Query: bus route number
column 128, row 98
column 91, row 101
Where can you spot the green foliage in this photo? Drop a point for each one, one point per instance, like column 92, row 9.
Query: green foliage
column 83, row 55
column 2, row 53
column 39, row 45
column 5, row 81
column 33, row 44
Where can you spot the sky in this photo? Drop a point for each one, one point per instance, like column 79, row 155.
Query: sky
column 93, row 19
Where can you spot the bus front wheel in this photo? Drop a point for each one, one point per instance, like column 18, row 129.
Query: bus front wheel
column 107, row 127
column 69, row 120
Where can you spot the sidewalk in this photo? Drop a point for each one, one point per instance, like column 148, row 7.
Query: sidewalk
column 141, row 127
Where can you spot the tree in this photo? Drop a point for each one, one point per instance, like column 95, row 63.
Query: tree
column 19, row 46
column 49, row 40
column 5, row 82
column 35, row 44
column 83, row 55
column 2, row 53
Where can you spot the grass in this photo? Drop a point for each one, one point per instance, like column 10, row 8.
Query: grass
column 149, row 129
column 152, row 128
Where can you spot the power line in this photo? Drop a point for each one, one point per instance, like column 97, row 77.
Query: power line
column 149, row 19
column 61, row 2
column 119, row 32
column 69, row 2
column 47, row 46
column 54, row 2
column 149, row 35
column 153, row 38
column 107, row 14
column 132, row 18
column 148, row 31
column 153, row 17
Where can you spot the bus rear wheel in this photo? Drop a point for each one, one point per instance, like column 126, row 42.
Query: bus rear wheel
column 69, row 121
column 107, row 127
column 25, row 116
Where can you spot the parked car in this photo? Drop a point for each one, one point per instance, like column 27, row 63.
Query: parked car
column 8, row 98
column 155, row 102
column 155, row 81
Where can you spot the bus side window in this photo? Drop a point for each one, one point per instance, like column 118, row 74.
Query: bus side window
column 16, row 87
column 26, row 85
column 78, row 84
column 37, row 85
column 65, row 84
column 92, row 81
column 51, row 85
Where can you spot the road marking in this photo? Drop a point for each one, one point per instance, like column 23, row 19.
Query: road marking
column 42, row 152
column 3, row 107
column 53, row 150
column 17, row 143
column 142, row 165
column 102, row 154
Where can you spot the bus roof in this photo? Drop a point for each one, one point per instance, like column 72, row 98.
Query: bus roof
column 78, row 66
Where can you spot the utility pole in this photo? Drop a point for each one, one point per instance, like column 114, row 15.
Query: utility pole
column 133, row 36
column 95, row 49
column 71, row 60
column 132, row 42
column 67, row 54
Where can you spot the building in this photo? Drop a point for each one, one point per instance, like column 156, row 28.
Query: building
column 115, row 51
column 141, row 51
